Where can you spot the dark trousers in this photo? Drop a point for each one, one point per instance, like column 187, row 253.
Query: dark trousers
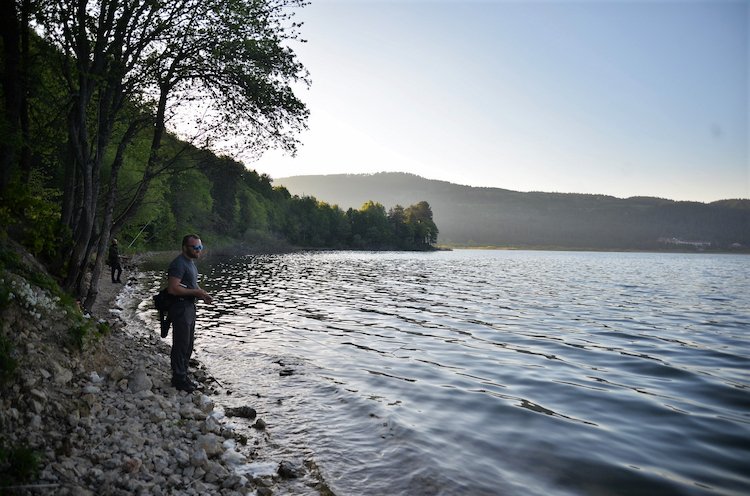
column 183, row 337
column 116, row 268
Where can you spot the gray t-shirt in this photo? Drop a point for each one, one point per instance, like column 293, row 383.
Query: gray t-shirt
column 185, row 270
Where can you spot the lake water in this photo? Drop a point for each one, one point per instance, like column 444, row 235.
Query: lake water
column 490, row 372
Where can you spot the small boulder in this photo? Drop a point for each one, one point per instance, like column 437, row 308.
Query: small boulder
column 63, row 376
column 182, row 458
column 211, row 443
column 74, row 418
column 117, row 374
column 203, row 402
column 210, row 425
column 139, row 381
column 132, row 465
column 241, row 411
column 291, row 469
column 199, row 458
column 157, row 415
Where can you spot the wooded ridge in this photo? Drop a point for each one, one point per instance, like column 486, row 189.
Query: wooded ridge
column 478, row 217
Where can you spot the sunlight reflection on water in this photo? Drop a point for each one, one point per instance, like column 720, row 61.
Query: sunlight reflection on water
column 487, row 372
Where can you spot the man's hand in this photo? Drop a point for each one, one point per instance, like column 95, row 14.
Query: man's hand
column 176, row 288
column 204, row 296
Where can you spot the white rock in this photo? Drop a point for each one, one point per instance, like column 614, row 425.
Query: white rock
column 37, row 407
column 218, row 414
column 39, row 395
column 258, row 469
column 62, row 375
column 211, row 443
column 233, row 458
column 199, row 458
column 36, row 422
column 157, row 416
column 203, row 402
column 117, row 374
column 218, row 470
column 181, row 457
column 160, row 465
column 144, row 395
column 139, row 381
column 188, row 411
column 210, row 425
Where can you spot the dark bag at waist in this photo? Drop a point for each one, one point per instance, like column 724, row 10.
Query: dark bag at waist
column 162, row 300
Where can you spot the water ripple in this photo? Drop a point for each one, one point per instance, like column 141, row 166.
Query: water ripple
column 478, row 372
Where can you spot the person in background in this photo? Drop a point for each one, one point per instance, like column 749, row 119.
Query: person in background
column 183, row 284
column 114, row 262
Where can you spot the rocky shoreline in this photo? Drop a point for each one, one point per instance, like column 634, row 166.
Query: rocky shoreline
column 107, row 420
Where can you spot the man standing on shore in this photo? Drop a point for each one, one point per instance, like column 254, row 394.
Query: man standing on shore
column 183, row 284
column 114, row 262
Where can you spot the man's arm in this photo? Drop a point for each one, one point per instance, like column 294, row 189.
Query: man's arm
column 174, row 287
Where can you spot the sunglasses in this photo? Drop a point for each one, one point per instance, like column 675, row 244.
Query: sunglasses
column 196, row 247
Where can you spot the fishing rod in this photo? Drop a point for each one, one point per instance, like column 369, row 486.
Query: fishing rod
column 139, row 234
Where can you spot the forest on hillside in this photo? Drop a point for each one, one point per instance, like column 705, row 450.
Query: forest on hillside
column 117, row 118
column 477, row 217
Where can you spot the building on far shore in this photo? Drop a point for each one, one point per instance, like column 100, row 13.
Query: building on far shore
column 680, row 241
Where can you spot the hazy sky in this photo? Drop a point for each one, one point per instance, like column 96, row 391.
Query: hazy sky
column 631, row 98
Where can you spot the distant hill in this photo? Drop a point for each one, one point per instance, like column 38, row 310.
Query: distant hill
column 470, row 216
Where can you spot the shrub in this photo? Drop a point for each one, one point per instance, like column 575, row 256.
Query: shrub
column 78, row 333
column 7, row 362
column 10, row 261
column 18, row 464
column 6, row 296
column 83, row 332
column 37, row 211
column 103, row 328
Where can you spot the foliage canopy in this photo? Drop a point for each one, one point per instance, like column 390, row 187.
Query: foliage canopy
column 118, row 118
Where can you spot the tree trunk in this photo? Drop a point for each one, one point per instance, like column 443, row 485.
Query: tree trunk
column 12, row 89
column 153, row 160
column 109, row 207
column 24, row 77
column 78, row 137
column 69, row 187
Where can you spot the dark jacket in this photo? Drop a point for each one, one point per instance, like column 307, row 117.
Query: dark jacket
column 114, row 256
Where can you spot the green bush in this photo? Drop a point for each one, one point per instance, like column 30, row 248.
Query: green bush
column 37, row 210
column 10, row 261
column 5, row 219
column 103, row 328
column 18, row 464
column 83, row 332
column 78, row 333
column 7, row 362
column 5, row 297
